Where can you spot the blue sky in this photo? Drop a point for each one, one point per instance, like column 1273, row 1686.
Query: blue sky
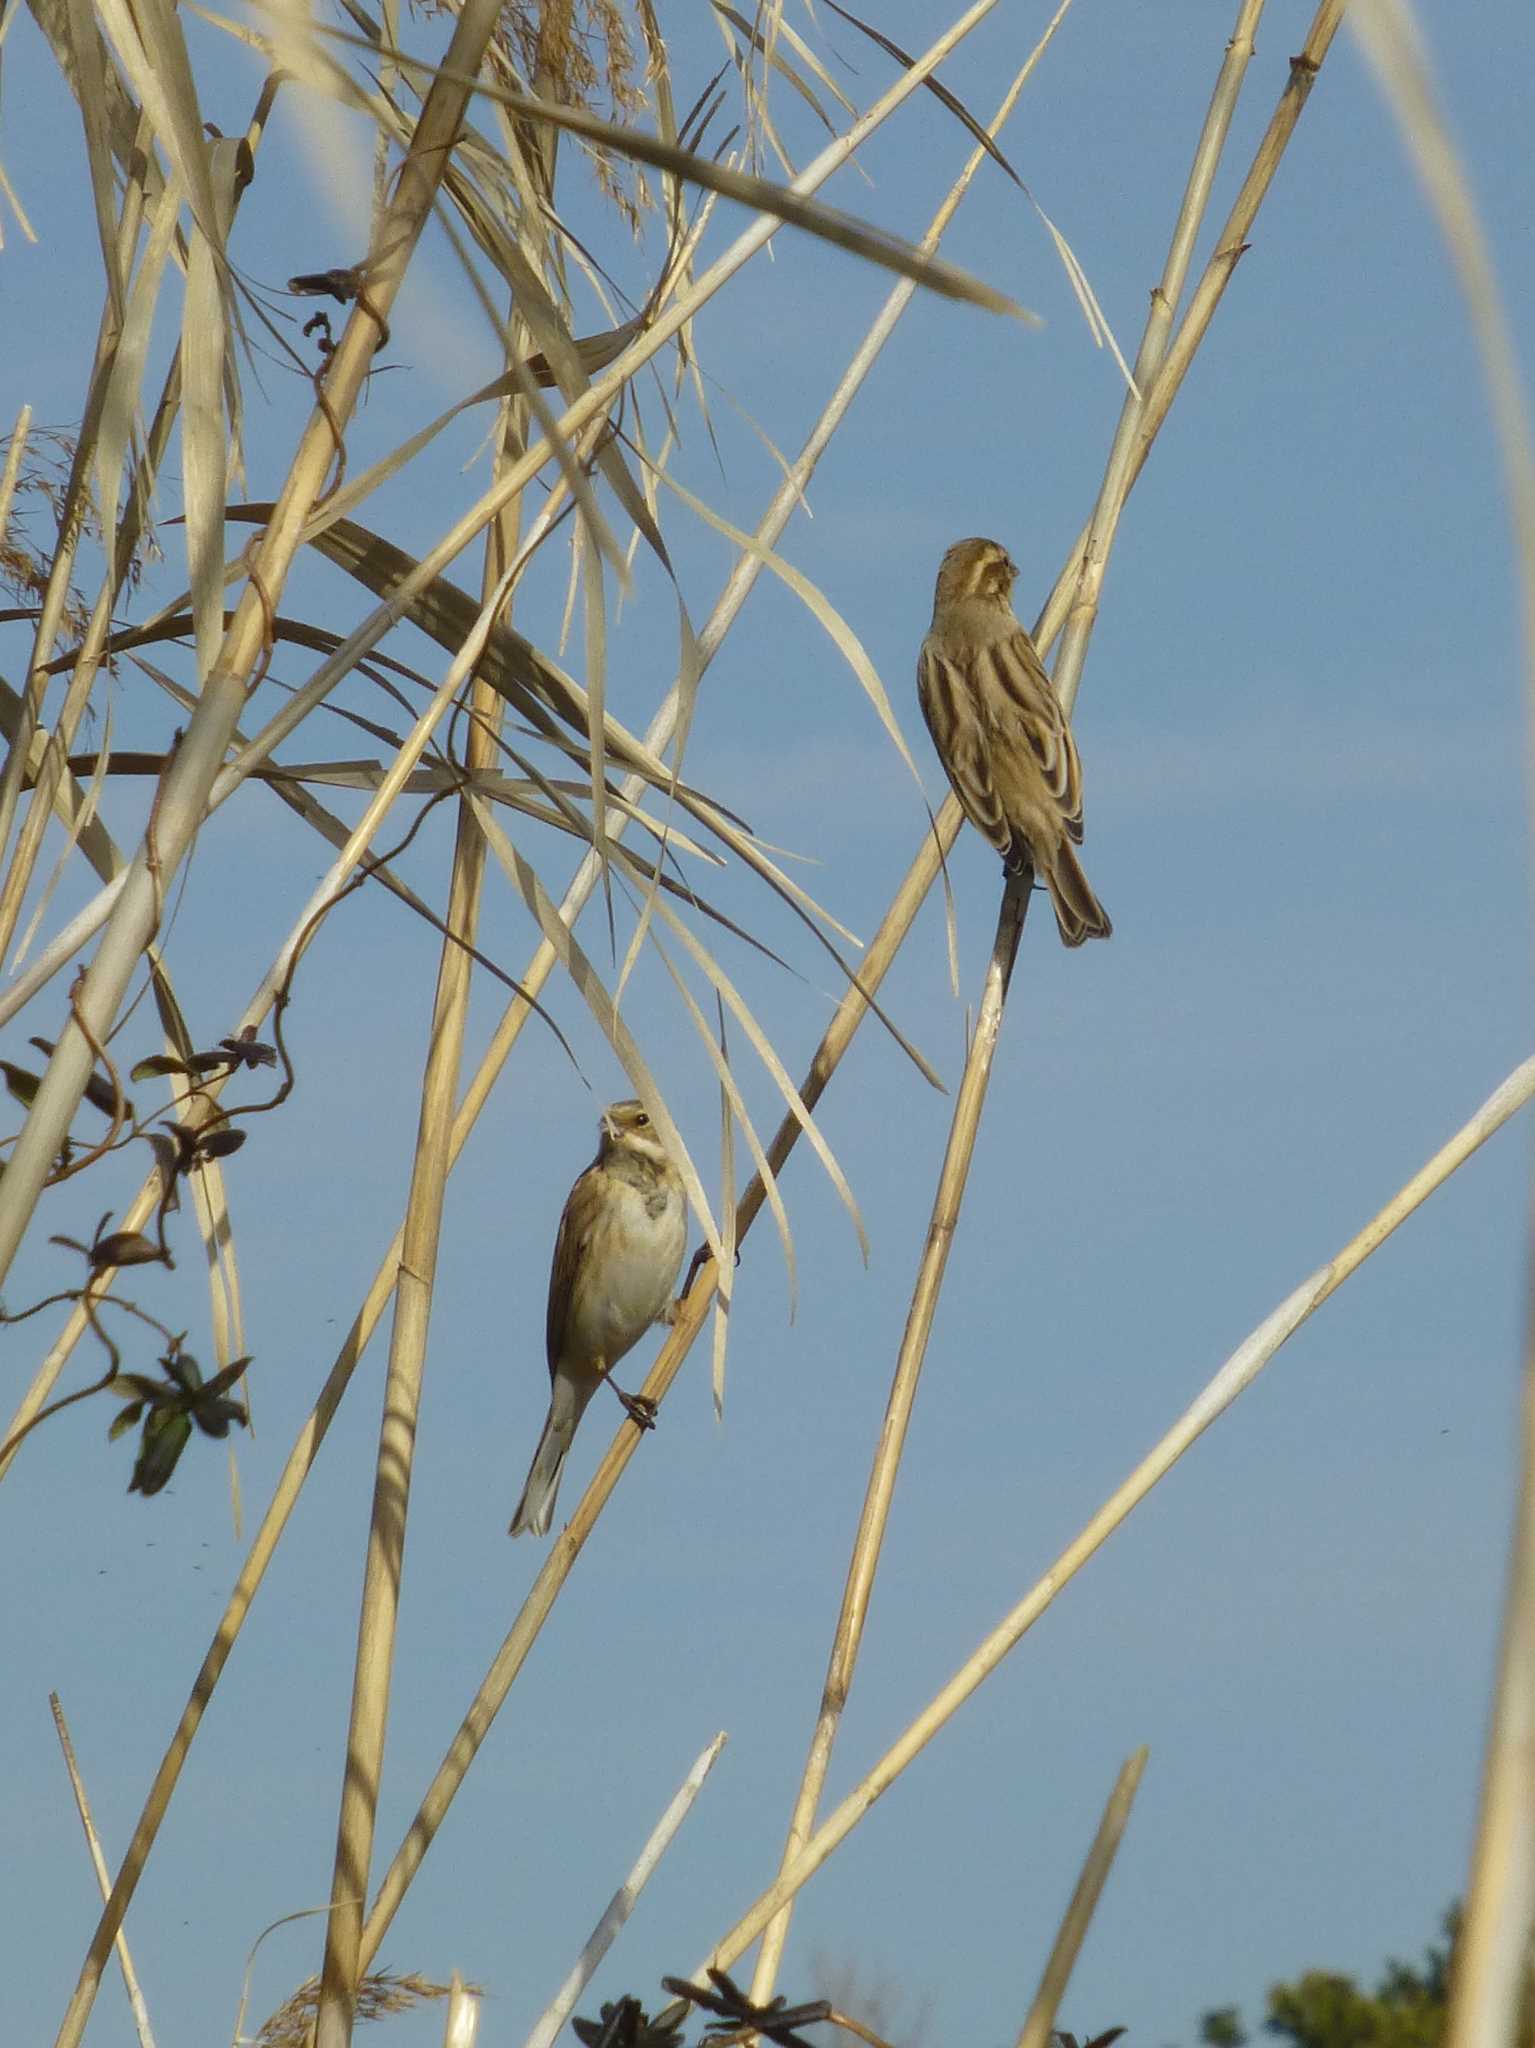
column 1302, row 732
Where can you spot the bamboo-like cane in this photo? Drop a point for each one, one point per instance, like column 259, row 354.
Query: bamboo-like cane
column 383, row 1570
column 178, row 809
column 1038, row 2028
column 870, row 1535
column 136, row 2003
column 1238, row 1373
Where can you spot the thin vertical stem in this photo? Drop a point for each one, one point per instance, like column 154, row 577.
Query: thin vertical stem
column 1164, row 302
column 402, row 1398
column 136, row 2003
column 413, row 1288
column 1230, row 246
column 875, row 1516
column 1038, row 2029
column 1490, row 1981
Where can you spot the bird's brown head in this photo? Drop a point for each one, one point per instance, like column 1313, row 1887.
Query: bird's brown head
column 975, row 568
column 626, row 1127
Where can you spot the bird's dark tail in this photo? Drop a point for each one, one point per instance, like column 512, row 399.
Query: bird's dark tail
column 1077, row 910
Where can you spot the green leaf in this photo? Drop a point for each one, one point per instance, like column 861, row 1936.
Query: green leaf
column 167, row 1432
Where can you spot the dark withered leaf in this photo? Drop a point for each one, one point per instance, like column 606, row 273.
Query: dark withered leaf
column 207, row 1062
column 940, row 93
column 22, row 1085
column 126, row 1248
column 625, row 2024
column 332, row 284
column 248, row 1050
column 156, row 1067
column 99, row 1092
column 220, row 1143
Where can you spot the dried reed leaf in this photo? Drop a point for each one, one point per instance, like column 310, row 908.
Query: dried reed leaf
column 726, row 991
column 204, row 439
column 720, row 1061
column 122, row 401
column 107, row 114
column 825, row 614
column 935, row 86
column 593, row 992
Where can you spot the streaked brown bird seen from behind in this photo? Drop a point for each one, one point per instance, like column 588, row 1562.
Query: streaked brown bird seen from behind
column 1001, row 734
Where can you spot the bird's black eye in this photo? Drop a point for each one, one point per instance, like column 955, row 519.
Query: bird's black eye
column 641, row 1120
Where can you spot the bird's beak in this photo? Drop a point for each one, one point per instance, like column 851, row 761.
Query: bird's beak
column 605, row 1125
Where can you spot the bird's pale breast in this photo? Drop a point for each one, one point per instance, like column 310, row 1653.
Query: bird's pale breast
column 626, row 1278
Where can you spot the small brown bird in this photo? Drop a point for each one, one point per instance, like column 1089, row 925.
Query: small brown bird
column 1001, row 733
column 616, row 1261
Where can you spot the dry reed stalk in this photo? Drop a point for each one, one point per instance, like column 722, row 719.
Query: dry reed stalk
column 178, row 810
column 1230, row 246
column 1038, row 2028
column 391, row 1497
column 1164, row 302
column 874, row 1517
column 1489, row 1985
column 414, row 1281
column 873, row 1520
column 136, row 2003
column 1231, row 243
column 1235, row 1375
